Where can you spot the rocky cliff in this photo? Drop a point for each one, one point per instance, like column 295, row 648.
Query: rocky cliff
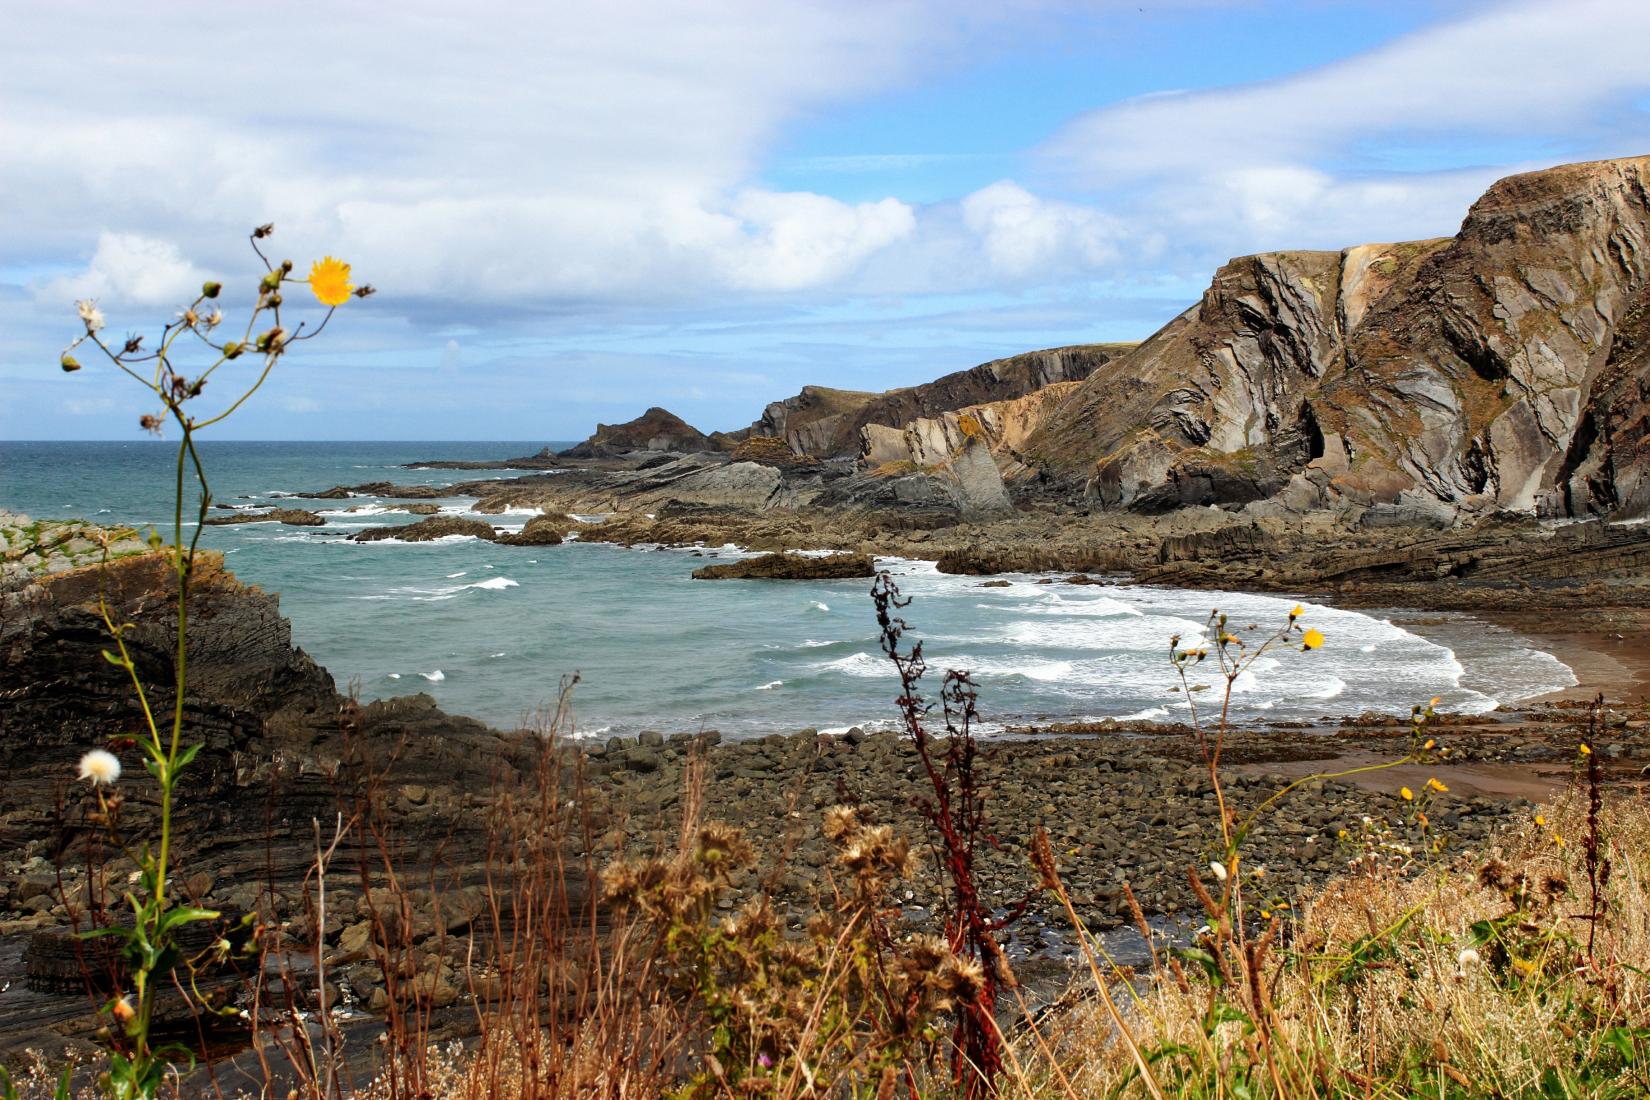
column 827, row 423
column 1501, row 369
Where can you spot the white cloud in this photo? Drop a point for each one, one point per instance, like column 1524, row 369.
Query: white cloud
column 1023, row 235
column 129, row 269
column 1393, row 142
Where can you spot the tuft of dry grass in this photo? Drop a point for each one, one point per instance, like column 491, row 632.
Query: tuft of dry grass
column 1471, row 978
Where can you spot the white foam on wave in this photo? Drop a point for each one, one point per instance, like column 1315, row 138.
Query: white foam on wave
column 394, row 676
column 818, row 605
column 770, row 685
column 434, row 677
column 813, row 643
column 1331, row 688
column 859, row 664
column 455, row 576
column 1094, row 607
column 436, row 595
column 444, row 540
column 1147, row 715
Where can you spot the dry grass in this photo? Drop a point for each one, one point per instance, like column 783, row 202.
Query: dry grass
column 1467, row 979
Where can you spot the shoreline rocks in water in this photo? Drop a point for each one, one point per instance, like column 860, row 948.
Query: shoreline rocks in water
column 546, row 530
column 292, row 517
column 790, row 567
column 427, row 530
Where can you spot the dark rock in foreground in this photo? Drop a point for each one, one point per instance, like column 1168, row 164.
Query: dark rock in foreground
column 428, row 530
column 790, row 567
column 292, row 517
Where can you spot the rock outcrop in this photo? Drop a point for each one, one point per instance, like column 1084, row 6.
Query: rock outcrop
column 427, row 530
column 790, row 567
column 292, row 517
column 827, row 423
column 1501, row 369
column 655, row 430
column 546, row 530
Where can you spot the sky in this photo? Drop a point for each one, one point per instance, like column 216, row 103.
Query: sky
column 573, row 212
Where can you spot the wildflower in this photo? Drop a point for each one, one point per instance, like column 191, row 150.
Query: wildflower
column 1466, row 958
column 1297, row 611
column 1218, row 868
column 90, row 314
column 1437, row 786
column 1406, row 794
column 1540, row 820
column 122, row 1009
column 1558, row 840
column 1430, row 743
column 1586, row 749
column 329, row 281
column 100, row 766
column 1312, row 639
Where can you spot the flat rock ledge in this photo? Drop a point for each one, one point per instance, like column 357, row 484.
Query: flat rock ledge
column 292, row 517
column 790, row 567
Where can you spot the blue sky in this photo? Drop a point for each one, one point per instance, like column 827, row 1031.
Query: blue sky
column 573, row 214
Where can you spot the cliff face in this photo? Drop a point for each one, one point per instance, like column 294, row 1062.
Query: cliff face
column 828, row 423
column 1499, row 369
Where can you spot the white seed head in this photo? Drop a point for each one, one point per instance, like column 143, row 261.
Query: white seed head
column 100, row 767
column 90, row 314
column 1218, row 868
column 1466, row 958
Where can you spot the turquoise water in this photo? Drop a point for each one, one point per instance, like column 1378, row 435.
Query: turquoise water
column 489, row 630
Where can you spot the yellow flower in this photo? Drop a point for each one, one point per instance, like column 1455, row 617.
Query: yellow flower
column 1586, row 749
column 1558, row 840
column 329, row 281
column 1429, row 744
column 1540, row 820
column 1312, row 639
column 1406, row 794
column 1297, row 611
column 1436, row 785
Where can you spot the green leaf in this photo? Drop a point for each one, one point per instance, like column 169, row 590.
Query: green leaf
column 183, row 914
column 186, row 756
column 8, row 1091
column 62, row 1092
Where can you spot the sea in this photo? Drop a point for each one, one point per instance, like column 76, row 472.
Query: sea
column 491, row 631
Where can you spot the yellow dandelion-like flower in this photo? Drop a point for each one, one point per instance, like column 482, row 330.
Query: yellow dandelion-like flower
column 1540, row 820
column 329, row 281
column 1406, row 794
column 1430, row 743
column 1586, row 749
column 1297, row 611
column 1558, row 840
column 1312, row 639
column 1436, row 785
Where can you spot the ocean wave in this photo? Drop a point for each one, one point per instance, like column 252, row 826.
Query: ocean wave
column 819, row 605
column 434, row 677
column 864, row 665
column 444, row 540
column 436, row 595
column 770, row 685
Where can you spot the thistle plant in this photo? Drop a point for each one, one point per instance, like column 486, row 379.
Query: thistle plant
column 198, row 334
